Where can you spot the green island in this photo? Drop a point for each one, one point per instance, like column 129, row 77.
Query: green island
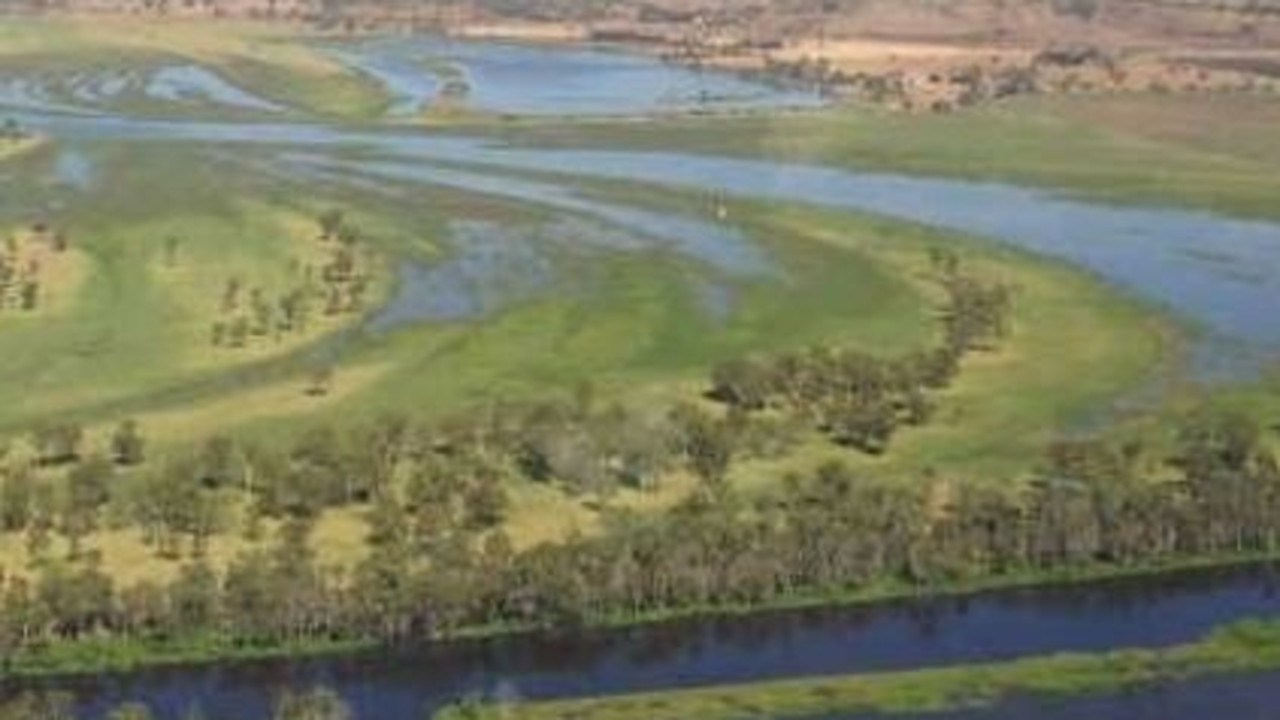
column 256, row 406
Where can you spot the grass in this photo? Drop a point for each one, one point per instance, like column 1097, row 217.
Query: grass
column 16, row 147
column 1246, row 646
column 128, row 325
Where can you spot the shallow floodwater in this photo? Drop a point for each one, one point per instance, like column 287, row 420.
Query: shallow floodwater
column 489, row 266
column 99, row 92
column 1157, row 254
column 404, row 684
column 188, row 83
column 534, row 80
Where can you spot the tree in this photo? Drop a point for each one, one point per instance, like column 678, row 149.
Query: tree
column 249, row 597
column 486, row 501
column 171, row 502
column 742, row 383
column 17, row 491
column 127, row 444
column 144, row 608
column 320, row 380
column 331, row 223
column 88, row 489
column 79, row 601
column 704, row 442
column 193, row 596
column 58, row 444
column 221, row 465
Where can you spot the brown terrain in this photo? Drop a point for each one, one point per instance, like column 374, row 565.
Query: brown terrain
column 907, row 54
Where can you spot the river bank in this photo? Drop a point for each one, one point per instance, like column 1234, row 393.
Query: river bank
column 92, row 655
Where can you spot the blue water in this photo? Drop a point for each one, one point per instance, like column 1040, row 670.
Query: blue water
column 547, row 80
column 489, row 267
column 187, row 83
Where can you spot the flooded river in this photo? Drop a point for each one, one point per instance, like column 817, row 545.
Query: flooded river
column 1154, row 253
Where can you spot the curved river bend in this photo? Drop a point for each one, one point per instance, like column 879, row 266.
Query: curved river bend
column 1221, row 274
column 1157, row 254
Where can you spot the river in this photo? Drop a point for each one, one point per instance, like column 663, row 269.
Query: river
column 404, row 684
column 1154, row 253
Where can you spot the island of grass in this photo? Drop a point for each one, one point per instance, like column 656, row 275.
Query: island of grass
column 1243, row 647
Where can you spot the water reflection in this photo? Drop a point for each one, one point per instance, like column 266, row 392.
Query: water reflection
column 399, row 684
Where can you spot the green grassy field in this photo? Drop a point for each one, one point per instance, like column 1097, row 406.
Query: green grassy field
column 1247, row 646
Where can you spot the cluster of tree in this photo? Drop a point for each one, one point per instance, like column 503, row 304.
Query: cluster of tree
column 59, row 490
column 60, row 444
column 434, row 497
column 858, row 399
column 834, row 531
column 338, row 286
column 20, row 271
column 438, row 560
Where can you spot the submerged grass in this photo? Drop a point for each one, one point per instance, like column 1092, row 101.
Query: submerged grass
column 1212, row 153
column 264, row 59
